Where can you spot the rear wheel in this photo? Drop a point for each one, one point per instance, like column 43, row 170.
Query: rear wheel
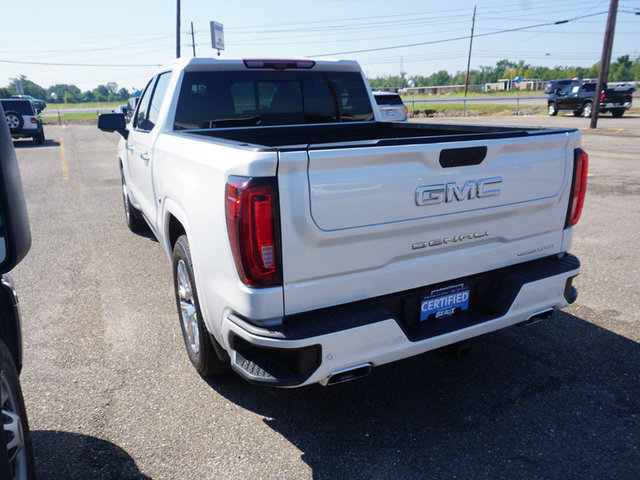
column 617, row 113
column 587, row 109
column 553, row 109
column 14, row 121
column 577, row 112
column 39, row 137
column 16, row 443
column 134, row 218
column 199, row 343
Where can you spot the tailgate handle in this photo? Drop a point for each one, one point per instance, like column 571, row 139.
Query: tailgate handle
column 462, row 157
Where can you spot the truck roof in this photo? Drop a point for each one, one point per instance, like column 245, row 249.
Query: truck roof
column 209, row 63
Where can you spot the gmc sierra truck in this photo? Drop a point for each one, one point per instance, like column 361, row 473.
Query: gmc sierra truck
column 311, row 241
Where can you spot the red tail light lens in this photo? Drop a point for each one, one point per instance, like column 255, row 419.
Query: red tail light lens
column 602, row 96
column 253, row 227
column 34, row 120
column 579, row 188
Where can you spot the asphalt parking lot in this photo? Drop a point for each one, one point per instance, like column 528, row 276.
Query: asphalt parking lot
column 111, row 394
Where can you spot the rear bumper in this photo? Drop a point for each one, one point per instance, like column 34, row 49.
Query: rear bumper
column 312, row 347
column 609, row 106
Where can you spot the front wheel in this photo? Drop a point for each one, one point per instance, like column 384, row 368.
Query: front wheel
column 587, row 109
column 15, row 441
column 197, row 340
column 553, row 109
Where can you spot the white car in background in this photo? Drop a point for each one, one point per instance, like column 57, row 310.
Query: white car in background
column 391, row 107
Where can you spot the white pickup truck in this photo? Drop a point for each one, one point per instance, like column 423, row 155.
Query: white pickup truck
column 311, row 241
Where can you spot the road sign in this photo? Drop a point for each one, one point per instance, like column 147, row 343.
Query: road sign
column 217, row 36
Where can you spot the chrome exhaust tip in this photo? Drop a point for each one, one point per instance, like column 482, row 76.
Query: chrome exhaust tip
column 347, row 374
column 538, row 317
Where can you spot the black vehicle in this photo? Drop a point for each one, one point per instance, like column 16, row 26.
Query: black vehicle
column 38, row 103
column 553, row 85
column 22, row 119
column 578, row 97
column 16, row 455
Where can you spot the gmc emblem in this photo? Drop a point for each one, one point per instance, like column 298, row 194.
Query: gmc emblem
column 450, row 192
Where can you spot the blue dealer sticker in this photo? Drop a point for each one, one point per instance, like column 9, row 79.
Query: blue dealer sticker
column 445, row 302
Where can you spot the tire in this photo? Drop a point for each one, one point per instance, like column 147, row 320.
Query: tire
column 587, row 109
column 16, row 440
column 552, row 109
column 577, row 112
column 132, row 215
column 617, row 113
column 197, row 340
column 14, row 121
column 39, row 137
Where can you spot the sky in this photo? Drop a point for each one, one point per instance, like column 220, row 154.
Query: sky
column 91, row 43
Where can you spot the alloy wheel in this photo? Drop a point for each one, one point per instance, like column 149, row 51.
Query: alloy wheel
column 188, row 311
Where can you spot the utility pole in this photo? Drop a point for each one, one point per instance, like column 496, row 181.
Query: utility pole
column 193, row 42
column 605, row 61
column 177, row 28
column 466, row 80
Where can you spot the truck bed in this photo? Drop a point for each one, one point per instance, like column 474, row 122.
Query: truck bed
column 365, row 133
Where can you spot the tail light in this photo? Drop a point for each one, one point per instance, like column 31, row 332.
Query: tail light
column 34, row 120
column 278, row 64
column 253, row 225
column 602, row 96
column 579, row 186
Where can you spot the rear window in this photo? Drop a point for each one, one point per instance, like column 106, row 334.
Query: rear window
column 21, row 107
column 388, row 99
column 246, row 98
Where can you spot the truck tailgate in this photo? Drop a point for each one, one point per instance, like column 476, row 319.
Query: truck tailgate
column 367, row 221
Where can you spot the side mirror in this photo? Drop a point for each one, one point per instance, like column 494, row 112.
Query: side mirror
column 15, row 234
column 113, row 122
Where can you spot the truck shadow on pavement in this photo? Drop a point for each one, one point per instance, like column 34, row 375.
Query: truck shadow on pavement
column 75, row 456
column 30, row 144
column 557, row 400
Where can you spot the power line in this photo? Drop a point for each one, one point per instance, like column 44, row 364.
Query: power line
column 17, row 62
column 559, row 22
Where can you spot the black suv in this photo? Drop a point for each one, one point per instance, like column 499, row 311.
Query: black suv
column 553, row 85
column 38, row 103
column 16, row 454
column 22, row 119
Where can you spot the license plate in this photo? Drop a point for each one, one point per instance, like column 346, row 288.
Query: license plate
column 444, row 302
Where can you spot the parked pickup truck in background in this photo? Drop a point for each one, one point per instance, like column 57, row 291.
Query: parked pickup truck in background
column 310, row 241
column 578, row 97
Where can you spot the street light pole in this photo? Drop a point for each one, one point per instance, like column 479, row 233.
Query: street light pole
column 177, row 28
column 605, row 60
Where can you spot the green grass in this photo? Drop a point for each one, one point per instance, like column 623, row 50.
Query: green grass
column 455, row 110
column 494, row 93
column 56, row 106
column 51, row 118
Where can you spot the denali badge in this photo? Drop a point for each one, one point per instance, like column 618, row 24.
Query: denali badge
column 449, row 192
column 447, row 240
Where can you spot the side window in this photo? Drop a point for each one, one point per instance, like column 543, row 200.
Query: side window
column 140, row 121
column 156, row 101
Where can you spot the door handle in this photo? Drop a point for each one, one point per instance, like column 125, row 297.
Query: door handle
column 145, row 156
column 129, row 147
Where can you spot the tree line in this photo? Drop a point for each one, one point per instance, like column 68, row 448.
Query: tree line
column 622, row 70
column 65, row 93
